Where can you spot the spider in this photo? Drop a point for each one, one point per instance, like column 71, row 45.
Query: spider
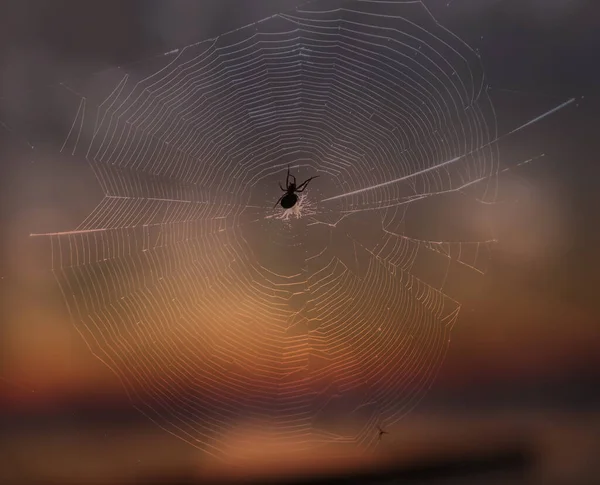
column 381, row 433
column 289, row 199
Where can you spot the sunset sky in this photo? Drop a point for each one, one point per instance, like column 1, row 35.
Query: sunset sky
column 526, row 340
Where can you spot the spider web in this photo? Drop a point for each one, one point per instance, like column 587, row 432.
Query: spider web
column 316, row 323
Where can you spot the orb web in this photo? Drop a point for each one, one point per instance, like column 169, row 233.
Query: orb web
column 316, row 323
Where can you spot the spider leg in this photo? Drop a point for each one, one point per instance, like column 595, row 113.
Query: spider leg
column 287, row 179
column 278, row 201
column 303, row 185
column 285, row 190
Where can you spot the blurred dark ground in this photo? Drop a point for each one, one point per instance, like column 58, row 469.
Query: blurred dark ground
column 517, row 400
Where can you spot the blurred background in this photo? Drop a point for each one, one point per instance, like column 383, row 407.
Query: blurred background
column 521, row 377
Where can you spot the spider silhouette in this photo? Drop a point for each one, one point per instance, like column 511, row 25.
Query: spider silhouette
column 381, row 433
column 289, row 199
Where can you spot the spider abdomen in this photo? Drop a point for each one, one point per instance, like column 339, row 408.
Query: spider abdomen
column 289, row 201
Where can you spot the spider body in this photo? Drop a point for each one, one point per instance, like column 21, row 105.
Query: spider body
column 289, row 199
